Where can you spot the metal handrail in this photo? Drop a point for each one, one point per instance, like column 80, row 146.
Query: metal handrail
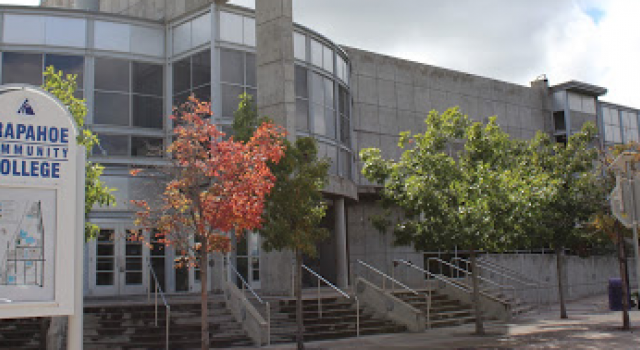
column 467, row 272
column 511, row 271
column 158, row 287
column 392, row 279
column 343, row 293
column 387, row 277
column 431, row 274
column 488, row 266
column 266, row 304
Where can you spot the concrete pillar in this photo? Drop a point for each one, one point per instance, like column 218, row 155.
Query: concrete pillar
column 275, row 63
column 276, row 100
column 341, row 244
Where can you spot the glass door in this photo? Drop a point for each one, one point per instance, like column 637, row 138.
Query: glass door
column 117, row 262
column 248, row 259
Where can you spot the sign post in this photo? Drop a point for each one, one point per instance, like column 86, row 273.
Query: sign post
column 41, row 209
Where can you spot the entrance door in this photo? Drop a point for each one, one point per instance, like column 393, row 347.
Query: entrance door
column 117, row 262
column 248, row 259
column 187, row 278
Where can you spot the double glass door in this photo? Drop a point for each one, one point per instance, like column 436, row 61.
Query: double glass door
column 117, row 262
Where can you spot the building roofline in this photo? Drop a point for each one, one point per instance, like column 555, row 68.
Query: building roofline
column 580, row 87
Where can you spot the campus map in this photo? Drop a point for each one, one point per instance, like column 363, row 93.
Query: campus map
column 21, row 243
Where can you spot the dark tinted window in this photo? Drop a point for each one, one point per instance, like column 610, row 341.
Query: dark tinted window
column 328, row 92
column 68, row 65
column 203, row 93
column 112, row 145
column 250, row 64
column 112, row 74
column 231, row 67
column 181, row 75
column 302, row 115
column 147, row 112
column 111, row 108
column 146, row 146
column 147, row 78
column 302, row 89
column 201, row 69
column 22, row 68
column 230, row 99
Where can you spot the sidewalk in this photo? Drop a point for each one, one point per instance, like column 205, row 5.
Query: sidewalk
column 590, row 326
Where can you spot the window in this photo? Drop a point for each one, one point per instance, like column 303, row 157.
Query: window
column 27, row 68
column 128, row 93
column 630, row 123
column 559, row 121
column 302, row 98
column 238, row 76
column 344, row 111
column 611, row 123
column 322, row 108
column 192, row 75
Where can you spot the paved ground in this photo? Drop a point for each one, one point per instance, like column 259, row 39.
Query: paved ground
column 590, row 326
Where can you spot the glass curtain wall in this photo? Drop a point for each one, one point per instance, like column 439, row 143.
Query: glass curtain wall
column 128, row 106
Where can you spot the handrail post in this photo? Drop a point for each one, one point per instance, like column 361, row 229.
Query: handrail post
column 429, row 309
column 357, row 316
column 167, row 326
column 156, row 302
column 268, row 323
column 319, row 300
column 393, row 276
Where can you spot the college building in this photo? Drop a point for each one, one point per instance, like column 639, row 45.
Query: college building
column 137, row 59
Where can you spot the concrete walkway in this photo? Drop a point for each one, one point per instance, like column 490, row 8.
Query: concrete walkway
column 590, row 326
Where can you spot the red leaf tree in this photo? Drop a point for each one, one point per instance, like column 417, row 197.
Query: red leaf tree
column 213, row 186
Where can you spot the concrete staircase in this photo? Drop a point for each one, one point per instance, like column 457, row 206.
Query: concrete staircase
column 132, row 326
column 24, row 333
column 337, row 320
column 444, row 312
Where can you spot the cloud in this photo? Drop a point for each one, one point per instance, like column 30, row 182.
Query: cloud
column 589, row 40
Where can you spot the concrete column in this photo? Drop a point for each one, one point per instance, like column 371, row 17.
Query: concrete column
column 341, row 244
column 275, row 62
column 276, row 100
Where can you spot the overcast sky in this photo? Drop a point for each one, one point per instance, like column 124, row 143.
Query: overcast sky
column 595, row 41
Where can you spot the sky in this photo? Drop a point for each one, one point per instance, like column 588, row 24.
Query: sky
column 594, row 41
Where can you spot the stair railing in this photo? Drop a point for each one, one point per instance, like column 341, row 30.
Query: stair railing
column 510, row 271
column 480, row 278
column 340, row 291
column 395, row 281
column 158, row 290
column 246, row 286
column 524, row 284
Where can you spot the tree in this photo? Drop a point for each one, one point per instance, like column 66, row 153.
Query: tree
column 214, row 186
column 295, row 206
column 96, row 192
column 479, row 198
column 578, row 194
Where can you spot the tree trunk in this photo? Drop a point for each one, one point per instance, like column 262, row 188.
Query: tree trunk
column 563, row 307
column 299, row 321
column 204, row 292
column 477, row 307
column 622, row 260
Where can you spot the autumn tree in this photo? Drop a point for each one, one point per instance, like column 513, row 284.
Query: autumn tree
column 295, row 206
column 96, row 192
column 478, row 198
column 578, row 194
column 214, row 186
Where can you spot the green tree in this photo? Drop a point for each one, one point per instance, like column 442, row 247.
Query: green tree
column 578, row 194
column 479, row 198
column 295, row 206
column 96, row 192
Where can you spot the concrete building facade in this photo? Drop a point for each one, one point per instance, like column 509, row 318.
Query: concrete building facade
column 136, row 59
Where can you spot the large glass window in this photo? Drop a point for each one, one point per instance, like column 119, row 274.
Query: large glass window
column 630, row 123
column 612, row 131
column 344, row 112
column 128, row 93
column 302, row 99
column 27, row 68
column 322, row 109
column 238, row 76
column 192, row 75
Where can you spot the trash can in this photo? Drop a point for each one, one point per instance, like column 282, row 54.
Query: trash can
column 615, row 294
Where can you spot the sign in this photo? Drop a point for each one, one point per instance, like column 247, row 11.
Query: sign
column 41, row 205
